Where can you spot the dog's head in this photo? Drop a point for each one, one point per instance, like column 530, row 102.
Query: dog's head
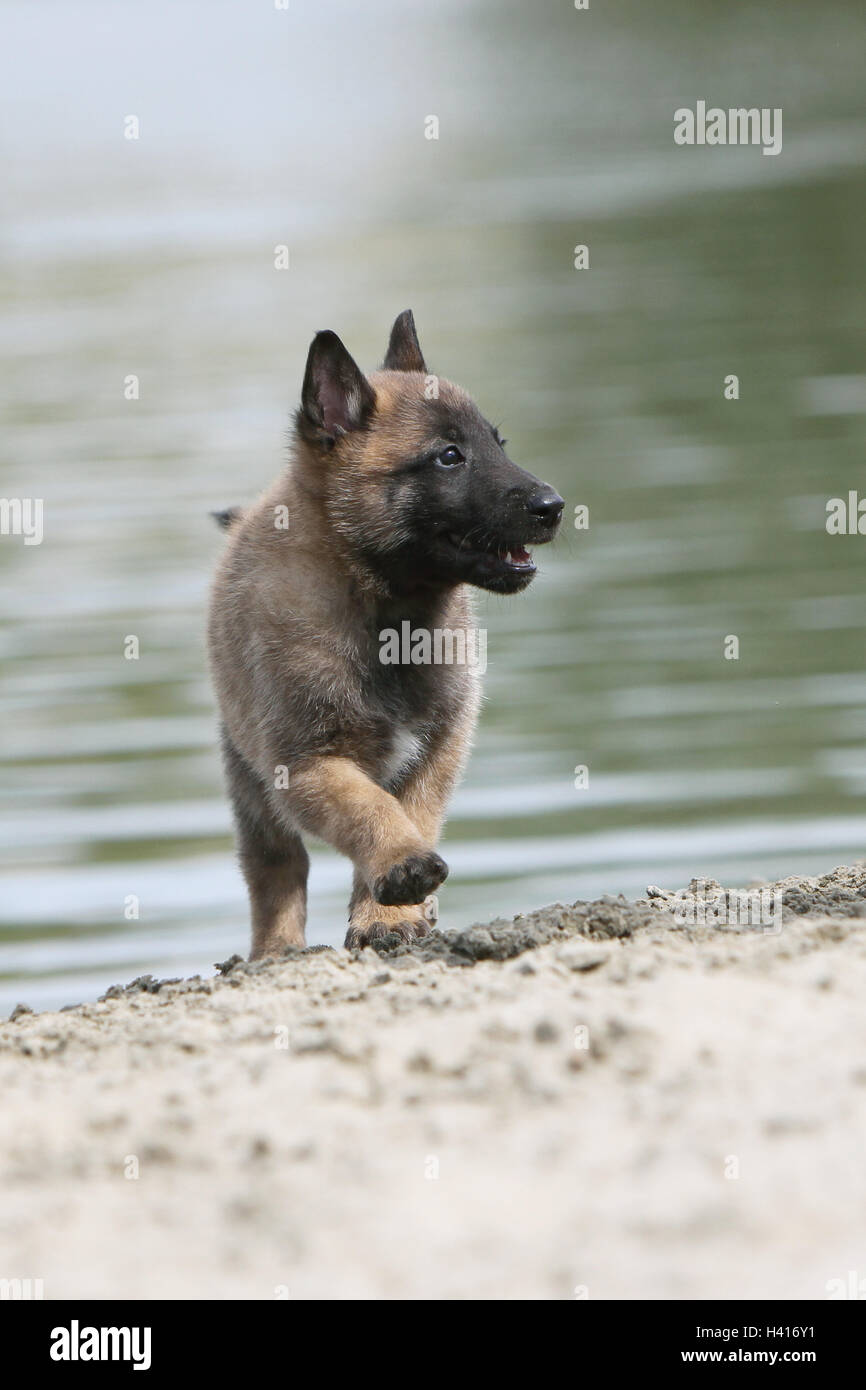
column 412, row 476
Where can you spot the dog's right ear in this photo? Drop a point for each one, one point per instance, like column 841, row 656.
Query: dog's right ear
column 404, row 351
column 336, row 396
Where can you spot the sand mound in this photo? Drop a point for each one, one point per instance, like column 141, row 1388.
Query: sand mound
column 610, row 1100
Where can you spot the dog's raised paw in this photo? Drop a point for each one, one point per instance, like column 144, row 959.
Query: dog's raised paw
column 358, row 937
column 411, row 881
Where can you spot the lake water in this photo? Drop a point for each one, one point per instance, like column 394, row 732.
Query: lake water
column 155, row 257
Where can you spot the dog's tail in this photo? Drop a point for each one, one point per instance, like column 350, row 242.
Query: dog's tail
column 227, row 518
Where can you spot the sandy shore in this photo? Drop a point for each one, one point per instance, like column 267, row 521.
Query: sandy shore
column 596, row 1099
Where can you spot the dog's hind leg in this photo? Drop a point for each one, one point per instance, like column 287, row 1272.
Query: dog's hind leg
column 277, row 882
column 273, row 860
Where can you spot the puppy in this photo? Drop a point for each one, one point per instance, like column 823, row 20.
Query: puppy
column 398, row 497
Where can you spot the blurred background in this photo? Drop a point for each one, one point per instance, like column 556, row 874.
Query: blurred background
column 304, row 127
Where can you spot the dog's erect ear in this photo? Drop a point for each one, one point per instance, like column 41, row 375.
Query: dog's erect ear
column 336, row 395
column 404, row 351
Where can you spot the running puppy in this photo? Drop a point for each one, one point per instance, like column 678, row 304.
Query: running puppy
column 398, row 495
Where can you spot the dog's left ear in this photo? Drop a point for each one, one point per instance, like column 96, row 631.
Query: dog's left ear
column 404, row 351
column 336, row 396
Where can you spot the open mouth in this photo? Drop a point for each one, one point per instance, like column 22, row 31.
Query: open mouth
column 513, row 559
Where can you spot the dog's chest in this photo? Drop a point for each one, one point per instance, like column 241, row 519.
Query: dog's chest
column 412, row 704
column 405, row 752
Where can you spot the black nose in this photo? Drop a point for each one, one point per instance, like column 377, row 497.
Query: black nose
column 546, row 504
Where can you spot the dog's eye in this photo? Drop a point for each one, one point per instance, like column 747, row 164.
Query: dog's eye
column 450, row 456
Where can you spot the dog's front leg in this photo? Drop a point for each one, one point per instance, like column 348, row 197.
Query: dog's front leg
column 331, row 797
column 369, row 920
column 429, row 787
column 424, row 797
